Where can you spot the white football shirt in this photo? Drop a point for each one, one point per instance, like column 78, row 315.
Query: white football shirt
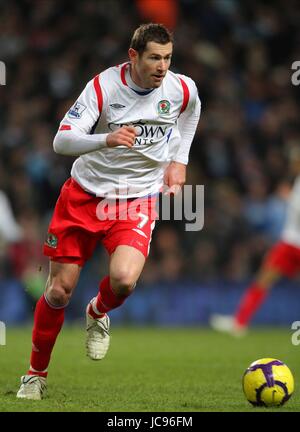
column 291, row 230
column 165, row 119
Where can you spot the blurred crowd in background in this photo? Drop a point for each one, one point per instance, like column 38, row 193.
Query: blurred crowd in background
column 246, row 151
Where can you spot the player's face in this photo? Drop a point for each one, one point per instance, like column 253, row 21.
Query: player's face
column 150, row 68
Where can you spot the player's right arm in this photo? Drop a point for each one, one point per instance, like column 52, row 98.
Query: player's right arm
column 123, row 136
column 74, row 136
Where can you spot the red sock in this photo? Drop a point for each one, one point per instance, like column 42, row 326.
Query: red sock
column 48, row 321
column 251, row 301
column 106, row 300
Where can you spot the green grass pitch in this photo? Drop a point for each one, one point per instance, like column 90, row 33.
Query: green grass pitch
column 147, row 369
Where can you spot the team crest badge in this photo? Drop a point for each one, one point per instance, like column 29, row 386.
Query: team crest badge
column 163, row 106
column 51, row 241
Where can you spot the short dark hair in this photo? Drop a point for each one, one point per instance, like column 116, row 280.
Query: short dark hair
column 150, row 33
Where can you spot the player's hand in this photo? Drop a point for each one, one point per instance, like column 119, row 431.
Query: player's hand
column 174, row 177
column 122, row 136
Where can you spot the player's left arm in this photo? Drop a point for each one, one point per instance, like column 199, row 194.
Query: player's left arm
column 175, row 174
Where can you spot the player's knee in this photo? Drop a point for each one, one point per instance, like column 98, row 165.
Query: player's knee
column 59, row 292
column 123, row 282
column 267, row 277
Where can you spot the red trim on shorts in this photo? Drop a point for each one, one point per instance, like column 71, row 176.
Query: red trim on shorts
column 186, row 95
column 98, row 92
column 123, row 70
column 65, row 127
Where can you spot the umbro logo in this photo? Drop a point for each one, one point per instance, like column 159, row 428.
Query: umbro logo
column 117, row 106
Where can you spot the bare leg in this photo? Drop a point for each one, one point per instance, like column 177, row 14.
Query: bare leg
column 126, row 265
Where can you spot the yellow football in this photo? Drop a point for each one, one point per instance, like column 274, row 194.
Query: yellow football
column 268, row 382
